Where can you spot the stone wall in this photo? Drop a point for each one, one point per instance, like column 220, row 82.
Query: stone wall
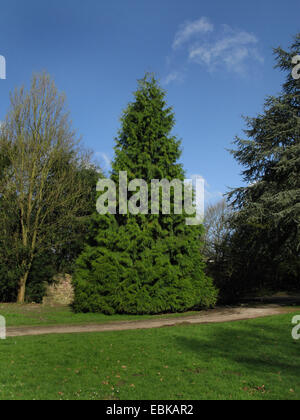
column 61, row 292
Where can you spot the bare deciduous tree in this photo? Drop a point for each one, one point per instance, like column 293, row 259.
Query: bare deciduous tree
column 217, row 229
column 40, row 190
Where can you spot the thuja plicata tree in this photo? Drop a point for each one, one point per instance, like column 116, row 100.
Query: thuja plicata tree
column 144, row 263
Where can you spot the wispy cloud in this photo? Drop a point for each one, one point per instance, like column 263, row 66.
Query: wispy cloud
column 214, row 47
column 174, row 76
column 231, row 49
column 105, row 160
column 189, row 29
column 210, row 196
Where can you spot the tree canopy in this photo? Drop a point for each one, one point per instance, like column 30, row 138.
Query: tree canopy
column 267, row 220
column 45, row 185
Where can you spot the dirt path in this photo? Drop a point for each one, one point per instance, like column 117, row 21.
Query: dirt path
column 206, row 317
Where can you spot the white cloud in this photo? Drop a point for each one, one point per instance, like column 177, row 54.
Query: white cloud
column 214, row 47
column 174, row 76
column 210, row 196
column 188, row 29
column 196, row 176
column 231, row 49
column 106, row 160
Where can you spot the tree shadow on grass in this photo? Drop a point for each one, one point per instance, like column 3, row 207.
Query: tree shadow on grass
column 255, row 347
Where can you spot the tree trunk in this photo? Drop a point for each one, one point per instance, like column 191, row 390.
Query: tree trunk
column 22, row 288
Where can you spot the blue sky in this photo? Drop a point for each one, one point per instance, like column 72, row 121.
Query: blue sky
column 214, row 58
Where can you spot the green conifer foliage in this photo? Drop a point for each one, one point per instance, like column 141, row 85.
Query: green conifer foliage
column 269, row 207
column 146, row 263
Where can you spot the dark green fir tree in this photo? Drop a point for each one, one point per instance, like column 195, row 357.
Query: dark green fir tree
column 145, row 263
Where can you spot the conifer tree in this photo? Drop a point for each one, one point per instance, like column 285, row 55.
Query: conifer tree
column 269, row 207
column 145, row 263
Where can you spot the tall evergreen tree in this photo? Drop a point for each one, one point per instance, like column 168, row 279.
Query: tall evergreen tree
column 267, row 222
column 145, row 263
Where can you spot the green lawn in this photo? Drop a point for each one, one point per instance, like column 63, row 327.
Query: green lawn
column 255, row 359
column 34, row 315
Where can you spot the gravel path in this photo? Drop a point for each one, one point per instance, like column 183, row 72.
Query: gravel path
column 205, row 317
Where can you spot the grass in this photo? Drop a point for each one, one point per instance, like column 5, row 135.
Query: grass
column 247, row 360
column 35, row 315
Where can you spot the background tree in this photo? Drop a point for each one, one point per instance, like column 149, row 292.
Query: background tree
column 43, row 195
column 217, row 229
column 267, row 221
column 217, row 249
column 70, row 241
column 144, row 263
